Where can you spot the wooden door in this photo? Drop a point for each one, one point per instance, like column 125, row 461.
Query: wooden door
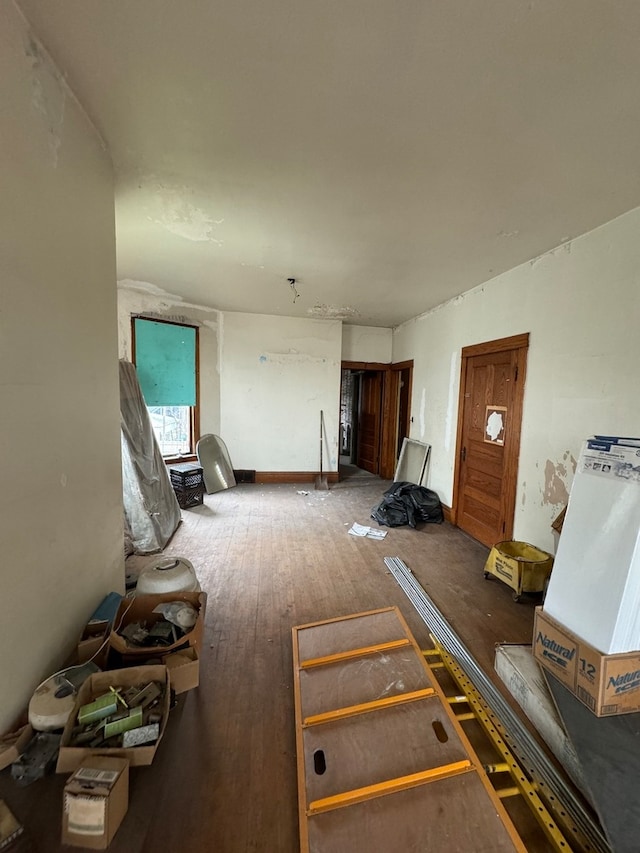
column 404, row 408
column 370, row 421
column 490, row 414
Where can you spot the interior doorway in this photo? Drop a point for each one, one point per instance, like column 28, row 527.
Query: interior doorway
column 488, row 444
column 375, row 407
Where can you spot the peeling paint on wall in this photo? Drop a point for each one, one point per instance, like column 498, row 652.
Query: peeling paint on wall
column 556, row 477
column 332, row 312
column 552, row 253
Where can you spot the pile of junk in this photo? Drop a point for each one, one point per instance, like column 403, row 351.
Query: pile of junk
column 107, row 709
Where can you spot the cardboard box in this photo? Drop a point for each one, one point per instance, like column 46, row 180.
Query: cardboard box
column 184, row 669
column 607, row 684
column 70, row 757
column 94, row 642
column 13, row 744
column 96, row 799
column 140, row 609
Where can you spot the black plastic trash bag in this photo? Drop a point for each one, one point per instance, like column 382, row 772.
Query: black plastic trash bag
column 406, row 503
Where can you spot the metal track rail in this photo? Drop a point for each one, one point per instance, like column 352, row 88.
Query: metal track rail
column 557, row 792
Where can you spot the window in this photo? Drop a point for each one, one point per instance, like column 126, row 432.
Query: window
column 172, row 426
column 166, row 359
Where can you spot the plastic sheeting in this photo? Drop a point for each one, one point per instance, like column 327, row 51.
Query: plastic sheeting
column 406, row 503
column 150, row 505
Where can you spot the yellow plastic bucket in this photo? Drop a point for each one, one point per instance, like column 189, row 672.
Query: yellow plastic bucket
column 520, row 565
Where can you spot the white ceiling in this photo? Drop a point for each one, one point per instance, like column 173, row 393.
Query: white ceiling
column 388, row 154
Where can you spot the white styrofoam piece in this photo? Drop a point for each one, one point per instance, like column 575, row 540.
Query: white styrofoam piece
column 594, row 589
column 523, row 677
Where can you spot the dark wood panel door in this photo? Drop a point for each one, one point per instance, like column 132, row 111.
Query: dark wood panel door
column 370, row 421
column 489, row 442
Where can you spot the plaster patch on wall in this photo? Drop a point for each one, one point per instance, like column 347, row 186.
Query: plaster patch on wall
column 423, row 406
column 48, row 95
column 555, row 492
column 166, row 300
column 332, row 312
column 180, row 216
column 187, row 221
column 145, row 299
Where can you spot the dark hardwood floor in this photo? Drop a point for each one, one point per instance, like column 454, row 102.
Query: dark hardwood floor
column 271, row 557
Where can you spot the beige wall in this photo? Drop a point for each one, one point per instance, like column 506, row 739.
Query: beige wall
column 61, row 498
column 277, row 373
column 580, row 303
column 366, row 343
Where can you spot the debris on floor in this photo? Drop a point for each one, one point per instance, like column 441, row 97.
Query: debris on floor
column 371, row 532
column 38, row 758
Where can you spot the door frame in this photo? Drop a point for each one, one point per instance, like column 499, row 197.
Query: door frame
column 512, row 446
column 391, row 373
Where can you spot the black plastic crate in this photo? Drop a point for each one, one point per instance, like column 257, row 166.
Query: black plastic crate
column 189, row 497
column 186, row 476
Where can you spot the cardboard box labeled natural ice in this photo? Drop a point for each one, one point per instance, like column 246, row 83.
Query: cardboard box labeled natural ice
column 607, row 684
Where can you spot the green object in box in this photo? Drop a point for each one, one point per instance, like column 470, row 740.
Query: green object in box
column 117, row 727
column 100, row 708
column 521, row 566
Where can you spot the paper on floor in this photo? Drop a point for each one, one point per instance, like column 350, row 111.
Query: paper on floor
column 361, row 530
